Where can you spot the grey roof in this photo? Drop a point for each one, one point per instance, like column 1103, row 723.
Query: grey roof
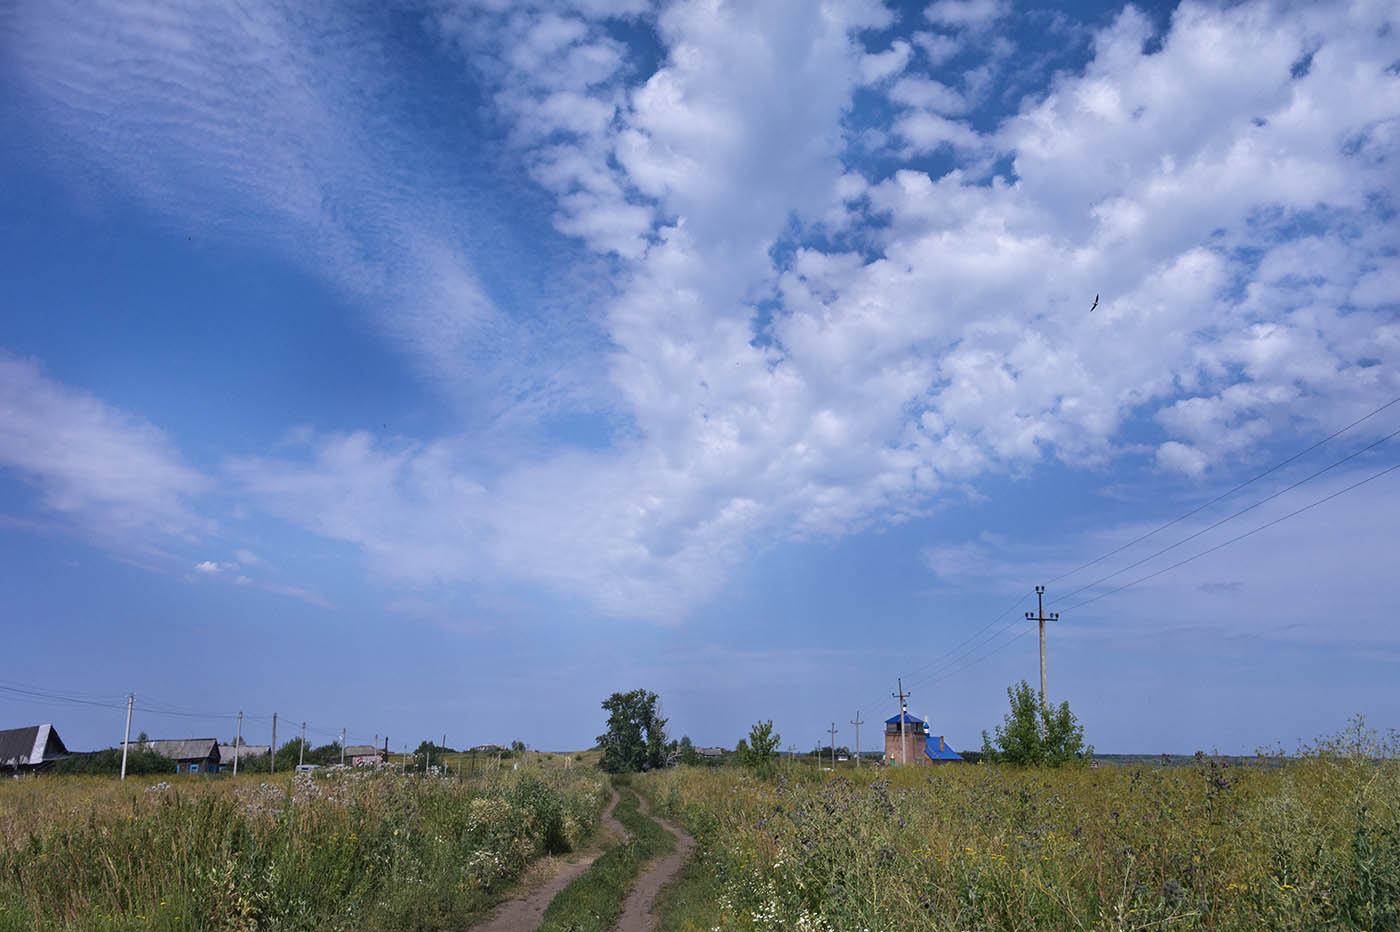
column 362, row 750
column 29, row 746
column 227, row 754
column 184, row 749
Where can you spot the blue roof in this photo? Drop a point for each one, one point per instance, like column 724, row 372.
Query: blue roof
column 931, row 749
column 894, row 719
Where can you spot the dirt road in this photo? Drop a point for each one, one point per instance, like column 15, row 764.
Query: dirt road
column 636, row 914
column 526, row 914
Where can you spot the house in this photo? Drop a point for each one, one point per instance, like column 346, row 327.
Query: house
column 192, row 755
column 914, row 745
column 32, row 748
column 243, row 752
column 365, row 755
column 711, row 753
column 489, row 748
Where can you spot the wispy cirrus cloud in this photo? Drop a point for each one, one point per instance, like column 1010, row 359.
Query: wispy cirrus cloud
column 252, row 125
column 97, row 469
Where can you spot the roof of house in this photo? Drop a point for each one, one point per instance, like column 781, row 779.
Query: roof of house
column 227, row 752
column 184, row 749
column 894, row 719
column 932, row 750
column 30, row 745
column 362, row 750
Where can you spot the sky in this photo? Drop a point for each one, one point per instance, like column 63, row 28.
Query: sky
column 440, row 367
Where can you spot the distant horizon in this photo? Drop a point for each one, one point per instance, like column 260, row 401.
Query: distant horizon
column 445, row 366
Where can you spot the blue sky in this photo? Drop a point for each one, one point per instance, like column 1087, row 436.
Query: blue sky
column 443, row 367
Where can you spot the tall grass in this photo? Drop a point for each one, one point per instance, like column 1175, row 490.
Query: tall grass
column 1313, row 844
column 353, row 850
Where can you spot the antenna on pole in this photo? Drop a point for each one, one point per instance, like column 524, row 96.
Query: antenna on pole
column 903, row 740
column 1042, row 618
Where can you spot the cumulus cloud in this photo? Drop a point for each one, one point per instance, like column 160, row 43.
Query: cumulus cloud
column 801, row 341
column 963, row 345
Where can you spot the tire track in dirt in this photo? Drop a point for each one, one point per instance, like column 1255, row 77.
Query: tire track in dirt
column 636, row 914
column 526, row 913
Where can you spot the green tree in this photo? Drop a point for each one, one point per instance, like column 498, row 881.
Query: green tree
column 1036, row 735
column 290, row 754
column 760, row 752
column 686, row 750
column 636, row 735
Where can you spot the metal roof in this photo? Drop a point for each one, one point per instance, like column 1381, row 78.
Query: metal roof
column 931, row 749
column 227, row 754
column 362, row 750
column 184, row 749
column 33, row 744
column 894, row 719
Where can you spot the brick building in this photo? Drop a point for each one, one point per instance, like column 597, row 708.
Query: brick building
column 919, row 747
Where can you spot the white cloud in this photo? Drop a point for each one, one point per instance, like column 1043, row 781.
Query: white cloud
column 775, row 384
column 210, row 568
column 110, row 473
column 879, row 66
column 965, row 347
column 966, row 14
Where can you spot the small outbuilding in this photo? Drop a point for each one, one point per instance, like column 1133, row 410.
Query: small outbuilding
column 227, row 754
column 191, row 755
column 365, row 755
column 29, row 749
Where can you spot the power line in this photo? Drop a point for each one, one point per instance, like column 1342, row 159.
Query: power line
column 1225, row 495
column 1250, row 533
column 952, row 662
column 1231, row 517
column 1007, row 643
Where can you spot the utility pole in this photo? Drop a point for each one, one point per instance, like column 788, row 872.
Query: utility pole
column 272, row 765
column 237, row 740
column 127, row 740
column 903, row 741
column 404, row 759
column 1042, row 618
column 342, row 747
column 301, row 751
column 833, row 747
column 857, row 722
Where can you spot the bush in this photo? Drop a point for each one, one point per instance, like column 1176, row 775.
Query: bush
column 1034, row 734
column 109, row 762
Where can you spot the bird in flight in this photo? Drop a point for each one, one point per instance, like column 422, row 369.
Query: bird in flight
column 1096, row 304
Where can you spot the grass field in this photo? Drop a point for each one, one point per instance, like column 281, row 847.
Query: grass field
column 1313, row 844
column 351, row 850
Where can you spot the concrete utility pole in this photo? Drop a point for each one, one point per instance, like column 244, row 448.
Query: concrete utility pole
column 237, row 740
column 301, row 751
column 903, row 741
column 342, row 747
column 127, row 740
column 857, row 722
column 833, row 747
column 272, row 765
column 1042, row 618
